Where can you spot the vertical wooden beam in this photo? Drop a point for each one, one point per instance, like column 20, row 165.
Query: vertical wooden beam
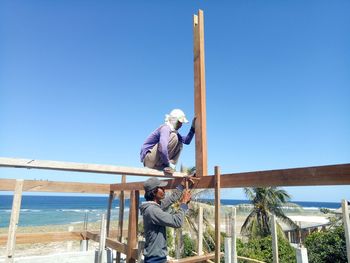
column 274, row 239
column 132, row 229
column 199, row 94
column 346, row 227
column 121, row 218
column 217, row 215
column 110, row 202
column 200, row 231
column 16, row 207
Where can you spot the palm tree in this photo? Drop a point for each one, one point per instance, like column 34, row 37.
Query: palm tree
column 266, row 201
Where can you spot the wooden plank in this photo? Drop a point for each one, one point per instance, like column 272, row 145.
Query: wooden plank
column 199, row 94
column 53, row 186
column 194, row 258
column 110, row 242
column 217, row 215
column 306, row 176
column 82, row 167
column 121, row 218
column 31, row 238
column 132, row 233
column 274, row 239
column 346, row 222
column 249, row 260
column 16, row 207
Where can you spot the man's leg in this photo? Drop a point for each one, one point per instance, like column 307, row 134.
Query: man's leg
column 152, row 159
column 174, row 147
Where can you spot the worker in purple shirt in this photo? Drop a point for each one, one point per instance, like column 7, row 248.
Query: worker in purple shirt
column 162, row 148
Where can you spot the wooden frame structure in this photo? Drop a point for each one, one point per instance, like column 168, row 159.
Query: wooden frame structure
column 306, row 176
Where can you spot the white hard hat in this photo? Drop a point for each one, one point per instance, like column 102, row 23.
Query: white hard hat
column 179, row 115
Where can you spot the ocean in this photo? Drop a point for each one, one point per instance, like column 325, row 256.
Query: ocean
column 58, row 210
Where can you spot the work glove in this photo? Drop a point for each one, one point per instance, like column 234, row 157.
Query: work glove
column 193, row 126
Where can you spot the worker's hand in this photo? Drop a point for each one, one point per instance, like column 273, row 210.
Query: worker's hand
column 186, row 197
column 193, row 126
column 168, row 171
column 189, row 180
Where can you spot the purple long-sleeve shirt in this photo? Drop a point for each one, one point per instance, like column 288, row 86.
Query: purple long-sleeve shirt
column 161, row 135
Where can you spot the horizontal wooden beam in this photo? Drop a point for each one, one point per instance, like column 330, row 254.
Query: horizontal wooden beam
column 46, row 237
column 194, row 258
column 24, row 238
column 110, row 243
column 52, row 186
column 307, row 176
column 81, row 167
column 249, row 260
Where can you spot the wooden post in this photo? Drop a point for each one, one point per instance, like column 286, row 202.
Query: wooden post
column 234, row 235
column 274, row 239
column 217, row 215
column 121, row 218
column 200, row 231
column 16, row 207
column 199, row 94
column 132, row 229
column 110, row 202
column 346, row 227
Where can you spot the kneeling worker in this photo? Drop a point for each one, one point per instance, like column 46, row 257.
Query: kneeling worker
column 162, row 148
column 155, row 219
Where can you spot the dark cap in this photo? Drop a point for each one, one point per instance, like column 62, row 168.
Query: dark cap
column 153, row 183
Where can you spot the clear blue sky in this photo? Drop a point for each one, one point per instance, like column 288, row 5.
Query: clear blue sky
column 87, row 81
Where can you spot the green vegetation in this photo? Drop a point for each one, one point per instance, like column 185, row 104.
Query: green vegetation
column 266, row 201
column 189, row 246
column 327, row 247
column 261, row 249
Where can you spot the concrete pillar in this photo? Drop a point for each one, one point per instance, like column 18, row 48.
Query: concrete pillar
column 228, row 245
column 84, row 245
column 301, row 253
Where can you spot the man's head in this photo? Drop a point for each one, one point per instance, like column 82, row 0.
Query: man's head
column 154, row 190
column 177, row 117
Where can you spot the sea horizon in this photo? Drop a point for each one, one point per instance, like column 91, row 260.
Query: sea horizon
column 37, row 210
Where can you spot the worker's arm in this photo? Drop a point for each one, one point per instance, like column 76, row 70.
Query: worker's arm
column 172, row 198
column 188, row 138
column 159, row 217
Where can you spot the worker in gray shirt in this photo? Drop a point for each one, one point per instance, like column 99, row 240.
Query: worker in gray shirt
column 156, row 219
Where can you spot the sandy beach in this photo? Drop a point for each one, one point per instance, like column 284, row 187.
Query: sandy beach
column 54, row 247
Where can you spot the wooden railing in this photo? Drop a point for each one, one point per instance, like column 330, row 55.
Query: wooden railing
column 306, row 176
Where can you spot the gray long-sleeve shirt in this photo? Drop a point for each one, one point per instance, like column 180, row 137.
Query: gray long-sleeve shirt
column 156, row 219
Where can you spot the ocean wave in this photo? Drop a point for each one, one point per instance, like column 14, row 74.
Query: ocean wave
column 73, row 210
column 76, row 222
